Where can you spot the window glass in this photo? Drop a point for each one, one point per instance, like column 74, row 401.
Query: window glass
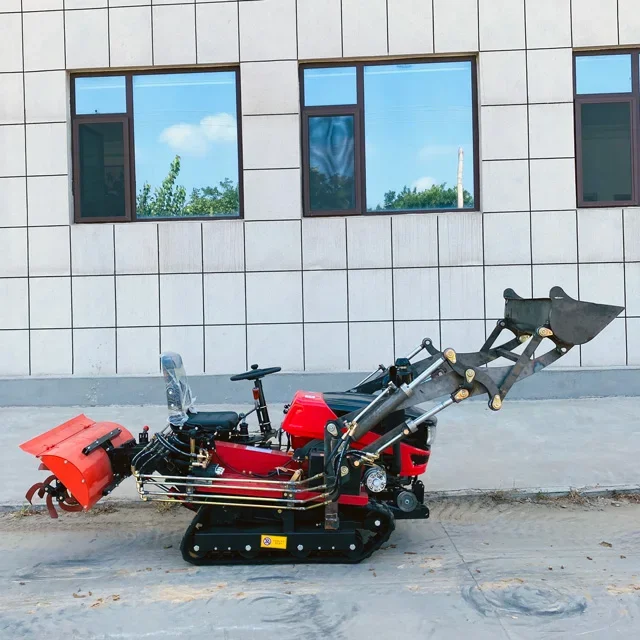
column 606, row 152
column 332, row 163
column 419, row 136
column 331, row 86
column 102, row 169
column 100, row 94
column 186, row 144
column 603, row 74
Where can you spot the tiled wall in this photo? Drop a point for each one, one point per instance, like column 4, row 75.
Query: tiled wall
column 323, row 294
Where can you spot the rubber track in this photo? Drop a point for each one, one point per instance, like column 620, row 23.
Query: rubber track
column 380, row 536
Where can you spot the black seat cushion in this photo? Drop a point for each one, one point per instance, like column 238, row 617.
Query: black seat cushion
column 213, row 420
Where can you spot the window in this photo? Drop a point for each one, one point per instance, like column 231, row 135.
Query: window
column 389, row 137
column 607, row 112
column 156, row 146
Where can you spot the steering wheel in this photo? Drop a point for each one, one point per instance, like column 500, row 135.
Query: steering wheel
column 255, row 373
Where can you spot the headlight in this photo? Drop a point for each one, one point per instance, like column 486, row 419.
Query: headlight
column 431, row 434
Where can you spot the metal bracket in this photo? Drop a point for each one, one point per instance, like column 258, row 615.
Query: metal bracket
column 104, row 442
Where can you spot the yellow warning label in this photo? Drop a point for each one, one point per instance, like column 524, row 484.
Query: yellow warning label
column 273, row 542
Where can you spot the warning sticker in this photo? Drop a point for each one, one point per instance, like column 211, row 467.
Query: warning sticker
column 273, row 542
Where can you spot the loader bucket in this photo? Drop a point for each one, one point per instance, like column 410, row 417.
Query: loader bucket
column 75, row 452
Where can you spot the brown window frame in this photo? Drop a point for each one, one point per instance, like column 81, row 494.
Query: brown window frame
column 633, row 99
column 357, row 109
column 129, row 126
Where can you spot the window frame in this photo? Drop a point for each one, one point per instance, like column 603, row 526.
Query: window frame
column 130, row 163
column 360, row 174
column 633, row 99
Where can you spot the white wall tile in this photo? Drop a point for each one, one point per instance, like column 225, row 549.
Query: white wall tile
column 317, row 235
column 224, row 300
column 319, row 29
column 602, row 283
column 180, row 247
column 415, row 240
column 501, row 24
column 551, row 130
column 138, row 350
column 130, row 36
column 12, row 150
column 272, row 194
column 272, row 246
column 225, row 349
column 47, row 149
column 136, row 248
column 495, row 66
column 553, row 184
column 594, row 23
column 461, row 293
column 128, row 3
column 12, row 103
column 632, row 234
column 14, row 303
column 368, row 242
column 548, row 23
column 632, row 281
column 41, row 5
column 49, row 251
column 504, row 132
column 600, row 235
column 13, row 249
column 497, row 279
column 271, row 142
column 181, row 301
column 410, row 27
column 464, row 336
column 11, row 38
column 609, row 347
column 14, row 346
column 217, row 32
column 137, row 301
column 507, row 238
column 415, row 294
column 505, row 185
column 53, row 85
column 364, row 27
column 85, row 4
column 553, row 236
column 174, row 34
column 269, row 87
column 545, row 277
column 370, row 344
column 268, row 30
column 188, row 342
column 550, row 75
column 48, row 198
column 455, row 25
column 325, row 296
column 87, row 38
column 43, row 41
column 274, row 297
column 92, row 249
column 370, row 294
column 326, row 346
column 633, row 341
column 460, row 237
column 9, row 6
column 51, row 352
column 408, row 335
column 223, row 245
column 94, row 352
column 50, row 303
column 276, row 345
column 628, row 22
column 94, row 303
column 14, row 202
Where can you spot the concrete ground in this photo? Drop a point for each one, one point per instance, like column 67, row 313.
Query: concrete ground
column 531, row 445
column 477, row 569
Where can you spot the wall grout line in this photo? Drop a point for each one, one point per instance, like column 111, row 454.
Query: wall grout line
column 393, row 300
column 115, row 299
column 346, row 264
column 624, row 282
column 526, row 75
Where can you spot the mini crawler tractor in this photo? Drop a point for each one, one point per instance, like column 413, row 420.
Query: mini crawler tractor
column 328, row 484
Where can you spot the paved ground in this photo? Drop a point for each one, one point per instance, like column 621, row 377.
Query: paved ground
column 478, row 569
column 554, row 444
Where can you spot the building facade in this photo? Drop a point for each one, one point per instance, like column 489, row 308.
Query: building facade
column 315, row 184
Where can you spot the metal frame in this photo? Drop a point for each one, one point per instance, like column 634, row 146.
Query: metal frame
column 360, row 155
column 130, row 166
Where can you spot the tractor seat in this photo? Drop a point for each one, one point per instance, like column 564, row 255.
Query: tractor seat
column 213, row 420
